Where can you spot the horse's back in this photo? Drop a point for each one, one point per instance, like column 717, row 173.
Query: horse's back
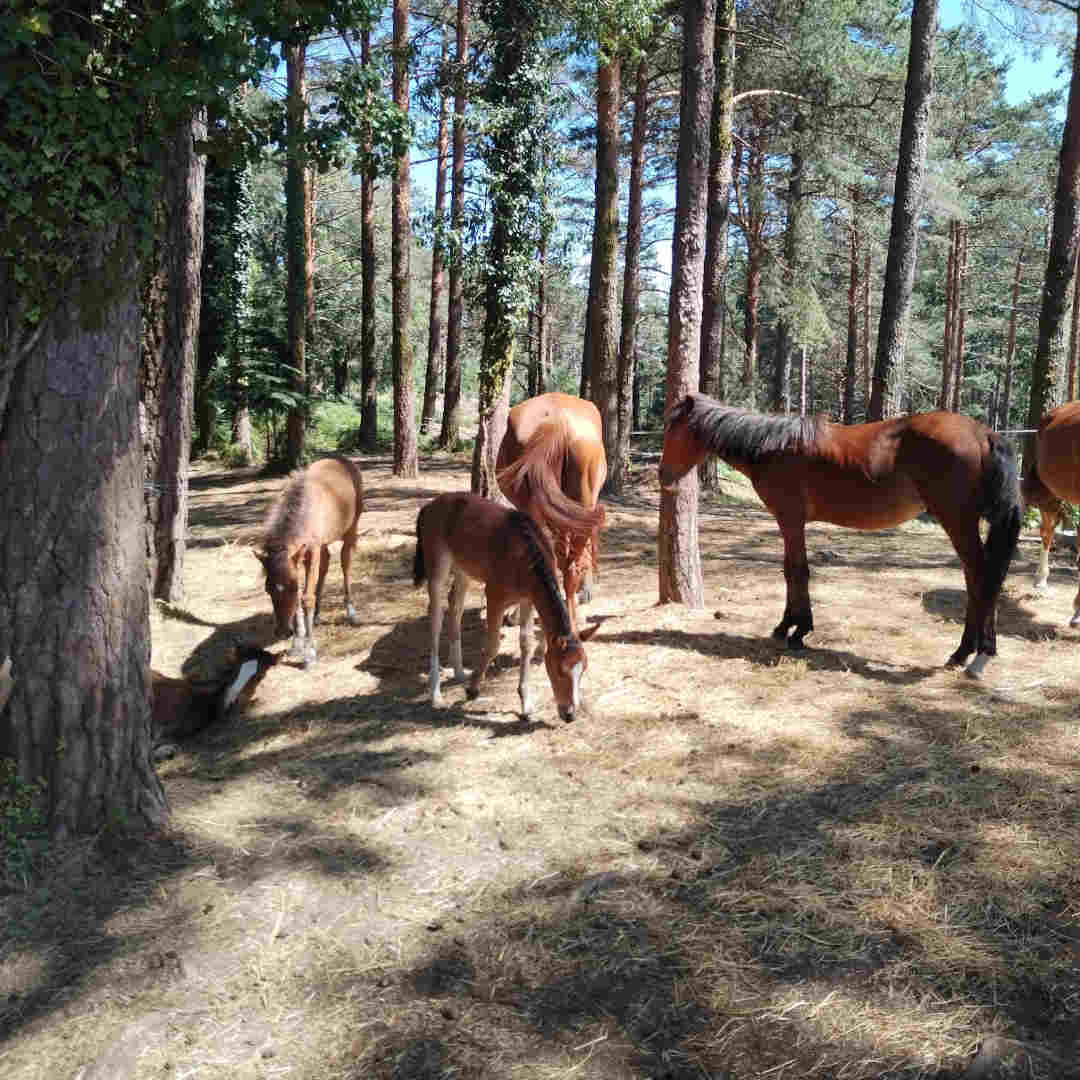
column 340, row 486
column 1057, row 454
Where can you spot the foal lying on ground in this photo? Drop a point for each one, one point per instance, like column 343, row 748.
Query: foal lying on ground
column 473, row 537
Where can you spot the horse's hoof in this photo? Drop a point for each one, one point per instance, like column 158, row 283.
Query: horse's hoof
column 956, row 660
column 780, row 633
column 472, row 692
column 353, row 619
column 584, row 596
column 436, row 701
column 316, row 619
column 975, row 669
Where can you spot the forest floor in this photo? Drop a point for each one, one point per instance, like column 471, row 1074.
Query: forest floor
column 740, row 863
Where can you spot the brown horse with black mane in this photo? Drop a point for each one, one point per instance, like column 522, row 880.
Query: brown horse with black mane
column 470, row 537
column 1053, row 479
column 551, row 464
column 866, row 476
column 317, row 506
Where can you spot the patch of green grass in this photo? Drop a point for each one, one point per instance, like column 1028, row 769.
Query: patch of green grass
column 23, row 834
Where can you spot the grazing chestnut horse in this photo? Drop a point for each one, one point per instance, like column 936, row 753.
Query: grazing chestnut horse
column 471, row 537
column 317, row 506
column 866, row 476
column 1053, row 479
column 551, row 464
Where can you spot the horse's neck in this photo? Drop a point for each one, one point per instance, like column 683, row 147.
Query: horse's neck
column 550, row 608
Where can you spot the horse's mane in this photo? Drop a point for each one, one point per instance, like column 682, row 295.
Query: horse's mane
column 743, row 437
column 537, row 477
column 289, row 514
column 541, row 561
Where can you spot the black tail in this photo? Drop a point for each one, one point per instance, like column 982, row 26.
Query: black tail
column 419, row 570
column 1003, row 508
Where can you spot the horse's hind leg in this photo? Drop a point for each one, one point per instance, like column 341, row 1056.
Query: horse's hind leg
column 348, row 545
column 1048, row 520
column 438, row 571
column 496, row 605
column 797, row 611
column 965, row 539
column 458, row 592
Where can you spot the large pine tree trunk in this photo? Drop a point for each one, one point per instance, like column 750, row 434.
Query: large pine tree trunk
column 435, row 325
column 851, row 364
column 369, row 372
column 793, row 254
column 74, row 613
column 168, row 359
column 945, row 396
column 679, row 558
column 451, row 418
column 297, row 199
column 600, row 335
column 537, row 377
column 620, row 459
column 907, row 208
column 405, row 446
column 1010, row 342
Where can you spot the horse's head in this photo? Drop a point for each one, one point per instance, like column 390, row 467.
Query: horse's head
column 682, row 449
column 566, row 662
column 282, row 566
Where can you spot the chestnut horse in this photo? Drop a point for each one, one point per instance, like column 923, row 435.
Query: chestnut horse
column 551, row 464
column 471, row 537
column 866, row 476
column 319, row 505
column 1053, row 479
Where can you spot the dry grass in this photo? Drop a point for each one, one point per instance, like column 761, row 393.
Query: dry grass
column 846, row 863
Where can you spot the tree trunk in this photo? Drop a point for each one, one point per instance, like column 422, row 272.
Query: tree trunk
column 1010, row 342
column 754, row 220
column 792, row 276
column 618, row 463
column 167, row 373
column 74, row 615
column 600, row 340
column 435, row 326
column 297, row 200
column 1074, row 335
column 451, row 418
column 537, row 381
column 848, row 410
column 679, row 558
column 959, row 319
column 868, row 373
column 405, row 447
column 369, row 373
column 1061, row 261
column 950, row 315
column 907, row 207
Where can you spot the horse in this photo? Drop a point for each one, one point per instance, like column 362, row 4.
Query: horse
column 317, row 506
column 470, row 537
column 1053, row 479
column 866, row 476
column 551, row 465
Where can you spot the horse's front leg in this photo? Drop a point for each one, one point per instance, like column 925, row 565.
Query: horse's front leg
column 309, row 609
column 1048, row 520
column 528, row 644
column 324, row 563
column 797, row 612
column 348, row 545
column 496, row 605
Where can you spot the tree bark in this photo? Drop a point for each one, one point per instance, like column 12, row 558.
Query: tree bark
column 599, row 363
column 537, row 378
column 959, row 319
column 907, row 207
column 451, row 419
column 618, row 462
column 435, row 326
column 369, row 372
column 850, row 367
column 679, row 558
column 1074, row 335
column 297, row 200
column 406, row 459
column 167, row 373
column 74, row 614
column 792, row 277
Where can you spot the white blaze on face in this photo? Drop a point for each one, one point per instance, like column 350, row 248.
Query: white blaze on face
column 575, row 684
column 248, row 670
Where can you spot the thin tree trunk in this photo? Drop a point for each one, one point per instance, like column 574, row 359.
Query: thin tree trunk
column 679, row 557
column 435, row 327
column 950, row 313
column 297, row 197
column 539, row 382
column 406, row 462
column 868, row 373
column 793, row 244
column 907, row 208
column 1010, row 341
column 451, row 418
column 74, row 611
column 369, row 374
column 848, row 410
column 959, row 318
column 618, row 463
column 1074, row 336
column 600, row 337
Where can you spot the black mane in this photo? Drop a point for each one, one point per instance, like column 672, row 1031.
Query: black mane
column 541, row 560
column 743, row 437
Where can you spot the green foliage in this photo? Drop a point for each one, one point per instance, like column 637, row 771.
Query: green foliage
column 23, row 821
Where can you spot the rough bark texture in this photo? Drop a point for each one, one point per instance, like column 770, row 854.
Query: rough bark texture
column 1010, row 341
column 868, row 369
column 297, row 198
column 1061, row 261
column 369, row 373
column 406, row 459
column 1074, row 335
column 537, row 375
column 167, row 375
column 451, row 418
column 435, row 324
column 848, row 410
column 619, row 460
column 907, row 207
column 74, row 615
column 793, row 255
column 679, row 557
column 945, row 396
column 601, row 343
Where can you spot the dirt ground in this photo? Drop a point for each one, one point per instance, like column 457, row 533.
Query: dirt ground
column 740, row 863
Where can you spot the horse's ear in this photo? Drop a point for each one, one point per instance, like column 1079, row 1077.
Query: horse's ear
column 584, row 635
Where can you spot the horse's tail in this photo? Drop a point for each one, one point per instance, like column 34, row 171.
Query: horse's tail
column 1002, row 506
column 419, row 567
column 535, row 478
